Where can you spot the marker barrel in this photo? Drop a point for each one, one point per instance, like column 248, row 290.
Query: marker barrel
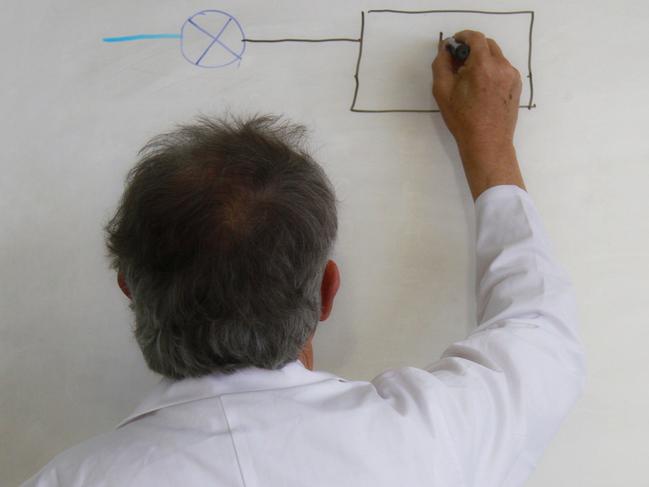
column 458, row 50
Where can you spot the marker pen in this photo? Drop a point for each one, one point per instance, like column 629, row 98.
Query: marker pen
column 459, row 50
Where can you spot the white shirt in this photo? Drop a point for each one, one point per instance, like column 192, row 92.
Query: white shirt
column 479, row 416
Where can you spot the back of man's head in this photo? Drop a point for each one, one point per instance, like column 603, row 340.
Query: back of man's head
column 222, row 235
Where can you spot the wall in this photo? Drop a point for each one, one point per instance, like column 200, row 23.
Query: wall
column 76, row 110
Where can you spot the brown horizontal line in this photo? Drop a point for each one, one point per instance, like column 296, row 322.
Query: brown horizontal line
column 335, row 39
column 451, row 12
column 396, row 110
column 392, row 111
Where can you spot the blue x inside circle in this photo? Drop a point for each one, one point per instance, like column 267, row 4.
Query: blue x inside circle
column 212, row 39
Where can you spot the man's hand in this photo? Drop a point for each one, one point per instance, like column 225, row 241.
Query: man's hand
column 479, row 102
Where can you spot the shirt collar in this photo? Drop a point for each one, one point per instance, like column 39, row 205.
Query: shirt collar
column 170, row 392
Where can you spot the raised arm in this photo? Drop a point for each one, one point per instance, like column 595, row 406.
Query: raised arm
column 498, row 396
column 522, row 369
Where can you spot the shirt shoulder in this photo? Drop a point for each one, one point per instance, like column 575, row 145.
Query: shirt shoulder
column 167, row 447
column 70, row 467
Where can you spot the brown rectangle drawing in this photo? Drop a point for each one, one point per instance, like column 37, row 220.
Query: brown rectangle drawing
column 522, row 25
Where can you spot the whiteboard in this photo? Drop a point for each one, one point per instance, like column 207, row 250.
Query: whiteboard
column 77, row 108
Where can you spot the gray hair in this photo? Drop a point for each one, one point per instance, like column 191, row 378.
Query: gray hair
column 222, row 234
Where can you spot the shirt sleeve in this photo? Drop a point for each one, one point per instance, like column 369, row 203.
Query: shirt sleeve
column 503, row 392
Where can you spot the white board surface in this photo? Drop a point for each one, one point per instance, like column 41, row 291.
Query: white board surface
column 76, row 109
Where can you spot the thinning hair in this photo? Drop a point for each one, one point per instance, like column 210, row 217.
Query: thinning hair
column 222, row 234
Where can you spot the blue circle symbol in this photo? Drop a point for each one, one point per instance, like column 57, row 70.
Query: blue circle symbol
column 212, row 39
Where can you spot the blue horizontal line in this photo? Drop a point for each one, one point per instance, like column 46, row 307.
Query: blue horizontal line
column 141, row 36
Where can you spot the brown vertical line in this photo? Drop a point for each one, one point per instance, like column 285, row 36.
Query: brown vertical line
column 358, row 61
column 529, row 63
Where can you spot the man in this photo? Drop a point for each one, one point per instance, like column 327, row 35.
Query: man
column 222, row 241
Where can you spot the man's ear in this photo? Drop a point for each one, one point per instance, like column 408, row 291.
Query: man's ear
column 329, row 288
column 122, row 285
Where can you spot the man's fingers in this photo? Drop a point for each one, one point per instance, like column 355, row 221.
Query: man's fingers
column 478, row 44
column 494, row 48
column 442, row 70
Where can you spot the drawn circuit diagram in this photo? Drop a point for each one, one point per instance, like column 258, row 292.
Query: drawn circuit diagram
column 387, row 41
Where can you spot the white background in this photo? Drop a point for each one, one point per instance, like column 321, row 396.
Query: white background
column 76, row 110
